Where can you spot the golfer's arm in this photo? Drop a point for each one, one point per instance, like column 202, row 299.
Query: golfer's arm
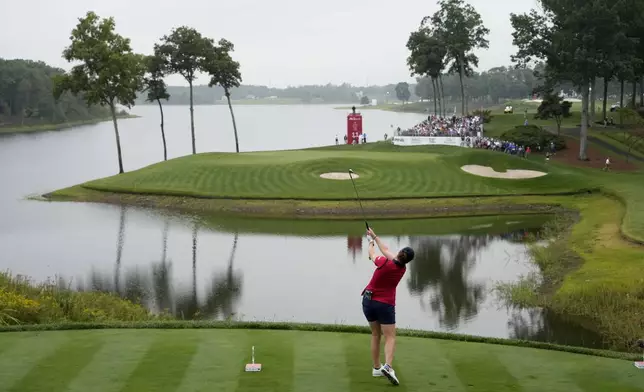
column 372, row 253
column 384, row 249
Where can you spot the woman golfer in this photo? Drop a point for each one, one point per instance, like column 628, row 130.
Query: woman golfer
column 379, row 301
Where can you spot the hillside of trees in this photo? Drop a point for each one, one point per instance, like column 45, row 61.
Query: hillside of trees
column 491, row 87
column 26, row 97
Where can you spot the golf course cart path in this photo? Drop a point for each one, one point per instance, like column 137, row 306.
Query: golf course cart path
column 486, row 171
column 338, row 176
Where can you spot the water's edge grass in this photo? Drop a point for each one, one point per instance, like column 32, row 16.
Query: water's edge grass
column 313, row 327
column 60, row 126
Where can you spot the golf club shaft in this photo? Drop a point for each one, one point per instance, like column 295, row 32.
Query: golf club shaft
column 364, row 216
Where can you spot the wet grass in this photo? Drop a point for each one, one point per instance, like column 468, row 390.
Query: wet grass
column 214, row 359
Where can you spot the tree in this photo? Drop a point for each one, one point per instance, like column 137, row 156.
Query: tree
column 427, row 59
column 109, row 73
column 224, row 72
column 364, row 100
column 632, row 133
column 460, row 28
column 157, row 89
column 574, row 38
column 402, row 92
column 553, row 107
column 185, row 51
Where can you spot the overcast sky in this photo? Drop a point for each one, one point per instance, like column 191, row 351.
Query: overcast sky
column 277, row 42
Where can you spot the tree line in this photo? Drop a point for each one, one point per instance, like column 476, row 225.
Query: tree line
column 26, row 96
column 585, row 46
column 491, row 87
column 581, row 42
column 109, row 72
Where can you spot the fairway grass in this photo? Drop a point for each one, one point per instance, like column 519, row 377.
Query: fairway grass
column 384, row 174
column 214, row 359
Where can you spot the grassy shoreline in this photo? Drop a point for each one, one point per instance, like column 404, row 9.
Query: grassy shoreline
column 56, row 127
column 323, row 209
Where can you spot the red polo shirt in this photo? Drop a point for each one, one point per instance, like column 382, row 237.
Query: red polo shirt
column 385, row 279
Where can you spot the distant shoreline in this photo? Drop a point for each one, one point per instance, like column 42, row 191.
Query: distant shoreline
column 60, row 126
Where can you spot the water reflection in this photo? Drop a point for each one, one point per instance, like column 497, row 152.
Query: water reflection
column 188, row 269
column 545, row 326
column 153, row 287
column 440, row 274
column 354, row 246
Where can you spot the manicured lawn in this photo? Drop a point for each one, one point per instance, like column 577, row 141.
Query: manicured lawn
column 384, row 173
column 213, row 360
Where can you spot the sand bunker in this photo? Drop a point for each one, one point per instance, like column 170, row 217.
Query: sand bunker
column 485, row 171
column 338, row 176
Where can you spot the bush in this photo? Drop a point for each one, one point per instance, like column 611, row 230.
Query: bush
column 24, row 302
column 486, row 115
column 533, row 136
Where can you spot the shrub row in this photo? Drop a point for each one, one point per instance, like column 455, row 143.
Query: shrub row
column 24, row 302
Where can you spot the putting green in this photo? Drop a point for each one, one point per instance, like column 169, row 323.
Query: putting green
column 213, row 360
column 384, row 172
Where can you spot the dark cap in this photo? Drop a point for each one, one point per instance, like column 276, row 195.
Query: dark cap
column 409, row 254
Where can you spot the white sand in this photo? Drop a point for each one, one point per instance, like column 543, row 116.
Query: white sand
column 486, row 171
column 338, row 176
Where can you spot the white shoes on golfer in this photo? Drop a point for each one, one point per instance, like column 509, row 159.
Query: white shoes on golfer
column 388, row 372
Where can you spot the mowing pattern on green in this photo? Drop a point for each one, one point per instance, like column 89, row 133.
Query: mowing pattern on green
column 296, row 175
column 207, row 360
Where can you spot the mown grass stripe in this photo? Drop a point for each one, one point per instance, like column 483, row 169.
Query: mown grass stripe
column 535, row 370
column 275, row 351
column 8, row 340
column 25, row 353
column 478, row 370
column 605, row 375
column 113, row 364
column 163, row 366
column 54, row 372
column 319, row 363
column 216, row 364
column 427, row 367
column 357, row 356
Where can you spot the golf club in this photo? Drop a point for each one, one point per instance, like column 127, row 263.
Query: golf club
column 364, row 216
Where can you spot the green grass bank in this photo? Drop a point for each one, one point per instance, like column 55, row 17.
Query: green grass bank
column 214, row 359
column 58, row 127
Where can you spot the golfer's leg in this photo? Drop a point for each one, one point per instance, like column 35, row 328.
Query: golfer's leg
column 376, row 332
column 389, row 331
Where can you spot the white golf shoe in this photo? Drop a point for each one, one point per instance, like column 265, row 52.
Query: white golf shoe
column 389, row 372
column 376, row 372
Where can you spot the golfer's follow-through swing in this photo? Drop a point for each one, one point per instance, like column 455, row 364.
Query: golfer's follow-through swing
column 379, row 298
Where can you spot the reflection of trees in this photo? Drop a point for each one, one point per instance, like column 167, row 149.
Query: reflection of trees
column 545, row 326
column 224, row 291
column 154, row 290
column 119, row 247
column 442, row 266
column 354, row 245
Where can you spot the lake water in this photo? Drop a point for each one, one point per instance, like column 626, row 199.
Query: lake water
column 245, row 269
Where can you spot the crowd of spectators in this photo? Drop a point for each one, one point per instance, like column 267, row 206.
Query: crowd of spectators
column 509, row 147
column 446, row 126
